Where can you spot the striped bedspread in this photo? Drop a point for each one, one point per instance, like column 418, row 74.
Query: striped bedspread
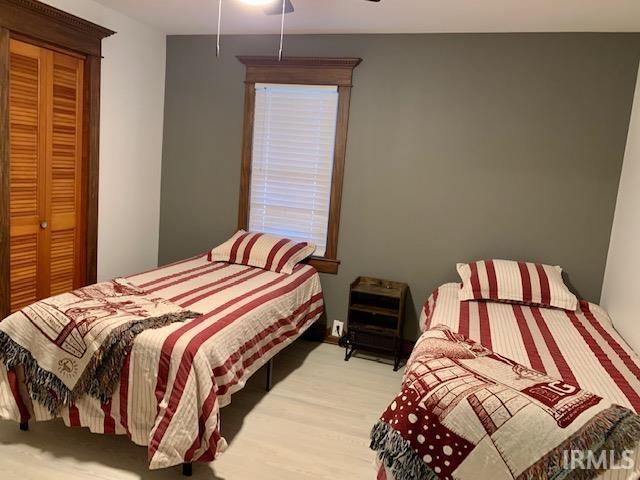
column 176, row 378
column 582, row 348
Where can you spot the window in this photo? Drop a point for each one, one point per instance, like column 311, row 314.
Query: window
column 295, row 131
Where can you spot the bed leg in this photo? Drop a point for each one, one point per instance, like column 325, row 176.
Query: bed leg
column 24, row 426
column 269, row 375
column 187, row 469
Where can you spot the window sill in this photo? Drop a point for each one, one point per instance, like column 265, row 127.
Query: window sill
column 324, row 265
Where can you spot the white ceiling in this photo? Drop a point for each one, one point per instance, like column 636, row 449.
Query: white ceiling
column 389, row 16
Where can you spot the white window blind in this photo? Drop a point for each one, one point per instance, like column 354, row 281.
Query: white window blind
column 294, row 135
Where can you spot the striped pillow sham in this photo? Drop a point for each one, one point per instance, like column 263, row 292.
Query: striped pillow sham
column 262, row 250
column 509, row 281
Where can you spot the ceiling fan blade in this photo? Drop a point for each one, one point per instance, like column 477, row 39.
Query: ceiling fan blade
column 276, row 8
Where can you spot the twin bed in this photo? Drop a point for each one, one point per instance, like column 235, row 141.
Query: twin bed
column 176, row 378
column 576, row 349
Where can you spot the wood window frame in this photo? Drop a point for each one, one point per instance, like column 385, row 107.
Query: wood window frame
column 302, row 71
column 49, row 27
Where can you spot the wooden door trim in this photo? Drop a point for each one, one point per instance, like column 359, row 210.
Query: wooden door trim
column 80, row 274
column 46, row 26
column 49, row 46
column 5, row 240
column 91, row 164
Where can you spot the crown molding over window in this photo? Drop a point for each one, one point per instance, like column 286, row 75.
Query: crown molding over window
column 300, row 70
column 303, row 71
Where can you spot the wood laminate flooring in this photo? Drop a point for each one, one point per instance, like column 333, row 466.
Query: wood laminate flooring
column 313, row 424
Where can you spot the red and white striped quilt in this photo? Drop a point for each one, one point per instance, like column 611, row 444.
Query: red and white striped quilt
column 465, row 412
column 176, row 378
column 582, row 347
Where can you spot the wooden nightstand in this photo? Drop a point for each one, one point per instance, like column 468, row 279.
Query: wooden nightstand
column 376, row 317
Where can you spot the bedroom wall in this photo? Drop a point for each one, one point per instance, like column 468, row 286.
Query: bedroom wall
column 131, row 124
column 461, row 146
column 622, row 276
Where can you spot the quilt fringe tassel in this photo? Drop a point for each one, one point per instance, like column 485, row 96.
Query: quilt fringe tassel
column 101, row 374
column 613, row 430
column 397, row 455
column 44, row 386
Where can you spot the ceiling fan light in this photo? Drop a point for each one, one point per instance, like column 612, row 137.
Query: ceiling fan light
column 258, row 3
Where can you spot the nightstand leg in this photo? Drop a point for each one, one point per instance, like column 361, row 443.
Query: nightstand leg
column 348, row 353
column 396, row 357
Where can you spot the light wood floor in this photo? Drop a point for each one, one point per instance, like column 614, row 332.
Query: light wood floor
column 314, row 424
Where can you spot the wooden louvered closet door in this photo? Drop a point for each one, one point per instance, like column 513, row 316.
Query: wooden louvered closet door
column 45, row 158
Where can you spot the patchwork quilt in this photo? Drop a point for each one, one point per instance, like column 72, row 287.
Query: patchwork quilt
column 465, row 412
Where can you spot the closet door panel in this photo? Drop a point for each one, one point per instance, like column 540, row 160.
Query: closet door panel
column 65, row 203
column 46, row 184
column 27, row 152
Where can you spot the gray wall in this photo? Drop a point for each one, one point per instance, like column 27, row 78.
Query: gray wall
column 461, row 147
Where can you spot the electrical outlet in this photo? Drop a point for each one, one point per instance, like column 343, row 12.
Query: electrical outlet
column 338, row 328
